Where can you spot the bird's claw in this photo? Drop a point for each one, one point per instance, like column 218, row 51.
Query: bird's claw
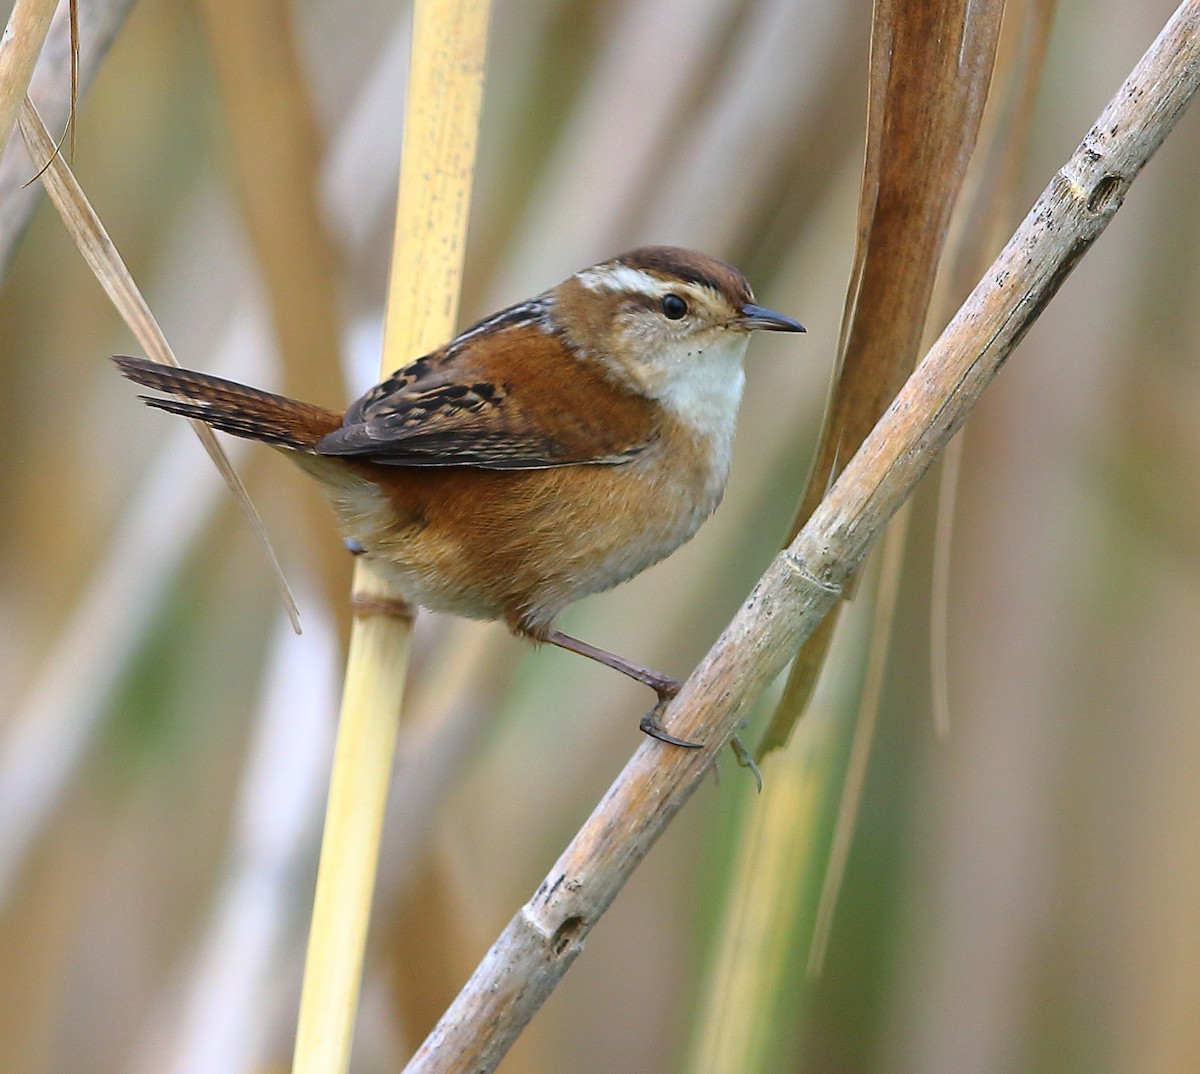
column 651, row 724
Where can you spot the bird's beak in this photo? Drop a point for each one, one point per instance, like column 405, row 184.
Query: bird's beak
column 758, row 317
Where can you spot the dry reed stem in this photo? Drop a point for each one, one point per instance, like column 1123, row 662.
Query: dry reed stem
column 803, row 582
column 102, row 257
column 28, row 24
column 99, row 23
column 445, row 94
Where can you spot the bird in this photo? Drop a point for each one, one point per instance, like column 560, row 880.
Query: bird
column 550, row 451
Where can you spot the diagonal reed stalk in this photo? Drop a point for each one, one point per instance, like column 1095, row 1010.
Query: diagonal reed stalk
column 441, row 125
column 800, row 586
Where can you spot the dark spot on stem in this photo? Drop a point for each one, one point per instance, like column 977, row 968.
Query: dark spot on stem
column 565, row 935
column 1104, row 194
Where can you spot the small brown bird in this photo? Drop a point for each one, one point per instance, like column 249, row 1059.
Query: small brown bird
column 553, row 450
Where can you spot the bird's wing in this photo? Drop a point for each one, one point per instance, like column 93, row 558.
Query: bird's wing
column 504, row 395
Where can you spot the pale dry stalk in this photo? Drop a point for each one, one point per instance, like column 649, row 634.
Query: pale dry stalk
column 28, row 24
column 99, row 23
column 802, row 583
column 441, row 125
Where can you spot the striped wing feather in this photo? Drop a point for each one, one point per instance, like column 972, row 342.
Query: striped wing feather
column 512, row 398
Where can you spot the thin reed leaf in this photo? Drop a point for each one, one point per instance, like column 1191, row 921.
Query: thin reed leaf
column 974, row 234
column 939, row 588
column 979, row 229
column 887, row 593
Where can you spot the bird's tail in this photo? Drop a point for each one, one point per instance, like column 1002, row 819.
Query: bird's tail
column 231, row 407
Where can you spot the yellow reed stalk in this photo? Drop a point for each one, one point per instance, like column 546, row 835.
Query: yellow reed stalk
column 441, row 126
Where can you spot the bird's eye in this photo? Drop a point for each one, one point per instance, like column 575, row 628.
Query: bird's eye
column 673, row 307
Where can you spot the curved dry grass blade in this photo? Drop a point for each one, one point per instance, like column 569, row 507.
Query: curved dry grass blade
column 50, row 729
column 546, row 935
column 102, row 258
column 988, row 193
column 931, row 65
column 73, row 8
column 440, row 133
column 20, row 46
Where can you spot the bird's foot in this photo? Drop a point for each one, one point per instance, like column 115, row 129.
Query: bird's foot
column 651, row 723
column 745, row 759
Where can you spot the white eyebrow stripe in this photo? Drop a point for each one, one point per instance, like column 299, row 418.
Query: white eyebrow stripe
column 618, row 277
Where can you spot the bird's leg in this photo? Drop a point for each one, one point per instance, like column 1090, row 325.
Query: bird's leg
column 663, row 685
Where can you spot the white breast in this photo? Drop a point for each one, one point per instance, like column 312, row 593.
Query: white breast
column 703, row 389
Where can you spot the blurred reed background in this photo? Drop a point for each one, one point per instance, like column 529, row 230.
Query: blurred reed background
column 1023, row 895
